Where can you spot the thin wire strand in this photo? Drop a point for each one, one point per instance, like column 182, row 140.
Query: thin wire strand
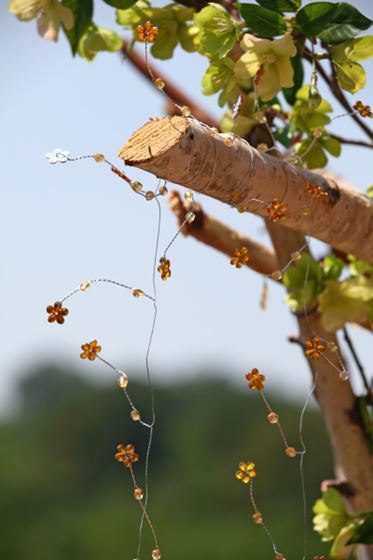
column 255, row 508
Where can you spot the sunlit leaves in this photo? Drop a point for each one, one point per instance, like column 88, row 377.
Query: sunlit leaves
column 350, row 74
column 332, row 21
column 218, row 32
column 306, row 119
column 220, row 76
column 281, row 5
column 330, row 514
column 262, row 21
column 174, row 22
column 97, row 39
column 82, row 11
column 304, row 281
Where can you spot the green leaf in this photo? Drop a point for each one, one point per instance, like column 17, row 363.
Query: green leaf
column 331, row 515
column 351, row 76
column 262, row 21
column 358, row 267
column 313, row 18
column 359, row 49
column 331, row 145
column 120, row 4
column 302, row 293
column 290, row 93
column 369, row 192
column 364, row 532
column 332, row 267
column 218, row 31
column 83, row 12
column 97, row 39
column 280, row 5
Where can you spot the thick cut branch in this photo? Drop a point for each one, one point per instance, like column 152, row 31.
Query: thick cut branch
column 185, row 152
column 210, row 231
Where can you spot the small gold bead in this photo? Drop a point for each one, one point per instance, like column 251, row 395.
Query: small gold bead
column 163, row 190
column 306, row 210
column 318, row 132
column 188, row 195
column 260, row 118
column 122, row 381
column 159, row 84
column 99, row 158
column 257, row 518
column 137, row 293
column 228, row 141
column 332, row 346
column 136, row 185
column 343, row 375
column 290, row 452
column 135, row 415
column 213, row 131
column 272, row 417
column 279, row 556
column 84, row 286
column 138, row 493
column 296, row 256
column 241, row 209
column 156, row 554
column 292, row 160
column 190, row 217
column 276, row 275
column 185, row 111
column 149, row 195
column 262, row 147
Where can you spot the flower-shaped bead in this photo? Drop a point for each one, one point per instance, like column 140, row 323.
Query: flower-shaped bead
column 126, row 454
column 314, row 348
column 90, row 350
column 363, row 110
column 147, row 32
column 246, row 471
column 240, row 257
column 58, row 156
column 57, row 313
column 316, row 191
column 255, row 379
column 277, row 211
column 164, row 268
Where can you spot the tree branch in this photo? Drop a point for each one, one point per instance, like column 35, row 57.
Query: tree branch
column 351, row 141
column 210, row 231
column 185, row 152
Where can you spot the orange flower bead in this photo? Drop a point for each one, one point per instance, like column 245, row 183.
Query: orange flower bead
column 363, row 110
column 240, row 257
column 277, row 211
column 256, row 380
column 246, row 471
column 314, row 348
column 126, row 454
column 316, row 191
column 90, row 350
column 147, row 32
column 164, row 268
column 57, row 313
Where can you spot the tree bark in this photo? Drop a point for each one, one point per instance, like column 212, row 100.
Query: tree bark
column 183, row 151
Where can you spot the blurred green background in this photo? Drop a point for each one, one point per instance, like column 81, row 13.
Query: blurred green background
column 63, row 496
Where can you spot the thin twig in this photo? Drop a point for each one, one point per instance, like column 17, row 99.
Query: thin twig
column 358, row 363
column 352, row 141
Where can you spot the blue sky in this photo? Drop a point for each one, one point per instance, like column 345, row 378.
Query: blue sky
column 67, row 223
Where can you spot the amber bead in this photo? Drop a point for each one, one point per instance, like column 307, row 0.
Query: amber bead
column 99, row 158
column 213, row 131
column 164, row 268
column 246, row 471
column 332, row 346
column 277, row 275
column 149, row 195
column 228, row 141
column 126, row 454
column 135, row 415
column 363, row 110
column 137, row 293
column 343, row 375
column 240, row 257
column 290, row 452
column 90, row 350
column 156, row 554
column 257, row 517
column 159, row 84
column 255, row 379
column 163, row 190
column 188, row 195
column 147, row 32
column 277, row 211
column 136, row 185
column 260, row 118
column 138, row 493
column 57, row 313
column 295, row 256
column 279, row 556
column 122, row 381
column 314, row 348
column 272, row 417
column 262, row 147
column 306, row 210
column 190, row 217
column 84, row 286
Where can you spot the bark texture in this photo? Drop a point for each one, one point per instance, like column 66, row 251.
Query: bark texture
column 183, row 151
